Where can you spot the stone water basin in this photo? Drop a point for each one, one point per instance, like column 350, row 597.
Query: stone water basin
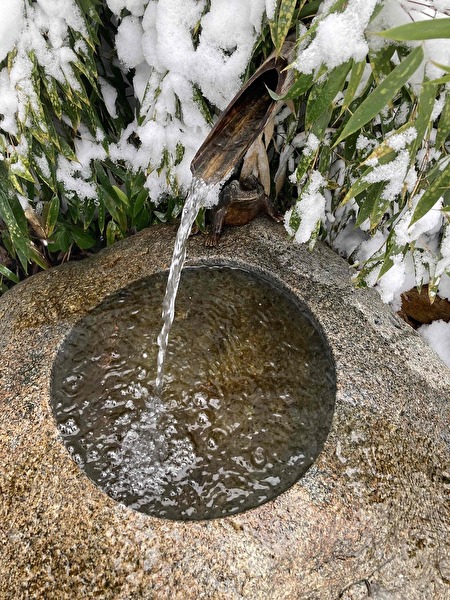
column 370, row 518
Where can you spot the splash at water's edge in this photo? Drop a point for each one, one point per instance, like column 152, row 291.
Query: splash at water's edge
column 201, row 195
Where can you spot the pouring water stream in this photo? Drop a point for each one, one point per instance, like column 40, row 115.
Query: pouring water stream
column 200, row 194
column 237, row 128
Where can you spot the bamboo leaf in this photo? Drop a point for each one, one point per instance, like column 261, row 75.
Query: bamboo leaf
column 432, row 194
column 101, row 214
column 113, row 233
column 139, row 202
column 120, row 195
column 381, row 64
column 53, row 93
column 391, row 250
column 422, row 123
column 82, row 238
column 441, row 80
column 8, row 274
column 301, row 86
column 383, row 93
column 19, row 241
column 360, row 185
column 379, row 208
column 322, row 95
column 355, row 79
column 50, row 214
column 90, row 209
column 443, row 129
column 366, row 202
column 35, row 222
column 418, row 30
column 279, row 28
column 384, row 149
column 445, row 68
column 21, row 169
column 305, row 162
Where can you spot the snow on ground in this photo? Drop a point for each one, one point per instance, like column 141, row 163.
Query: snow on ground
column 437, row 334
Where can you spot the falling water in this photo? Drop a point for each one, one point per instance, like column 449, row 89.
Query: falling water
column 200, row 194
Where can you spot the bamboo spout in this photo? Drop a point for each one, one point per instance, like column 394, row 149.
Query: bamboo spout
column 242, row 121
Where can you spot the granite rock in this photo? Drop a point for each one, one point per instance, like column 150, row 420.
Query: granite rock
column 371, row 518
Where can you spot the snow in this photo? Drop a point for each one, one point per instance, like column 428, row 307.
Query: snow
column 168, row 68
column 394, row 173
column 129, row 42
column 442, row 5
column 339, row 37
column 109, row 96
column 399, row 141
column 310, row 209
column 271, row 5
column 437, row 334
column 311, row 145
column 11, row 25
column 444, row 287
column 390, row 285
column 8, row 102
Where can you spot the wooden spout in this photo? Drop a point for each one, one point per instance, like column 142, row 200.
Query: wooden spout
column 241, row 122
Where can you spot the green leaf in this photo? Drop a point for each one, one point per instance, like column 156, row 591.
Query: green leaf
column 391, row 250
column 322, row 95
column 20, row 242
column 367, row 202
column 305, row 162
column 101, row 214
column 355, row 79
column 379, row 209
column 140, row 202
column 432, row 194
column 441, row 80
column 383, row 93
column 61, row 240
column 301, row 86
column 422, row 122
column 381, row 63
column 50, row 215
column 113, row 233
column 384, row 150
column 360, row 185
column 418, row 30
column 82, row 239
column 279, row 27
column 443, row 129
column 90, row 210
column 8, row 274
column 445, row 68
column 120, row 195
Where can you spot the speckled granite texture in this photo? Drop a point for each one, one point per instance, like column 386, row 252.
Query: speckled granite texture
column 370, row 519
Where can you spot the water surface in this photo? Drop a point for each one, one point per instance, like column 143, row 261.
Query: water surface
column 247, row 401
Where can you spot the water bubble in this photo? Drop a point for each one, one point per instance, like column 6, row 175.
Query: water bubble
column 211, row 443
column 203, row 420
column 258, row 456
column 69, row 427
column 110, row 403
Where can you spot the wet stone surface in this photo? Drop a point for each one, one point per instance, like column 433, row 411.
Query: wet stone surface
column 370, row 518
